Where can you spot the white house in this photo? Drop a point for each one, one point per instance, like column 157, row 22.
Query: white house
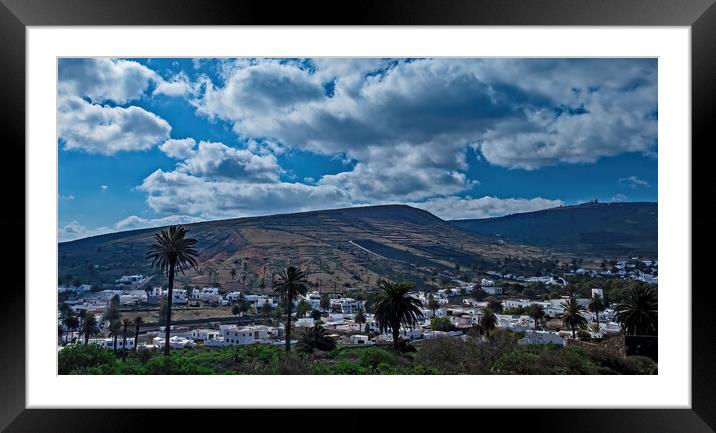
column 131, row 282
column 204, row 334
column 109, row 342
column 175, row 342
column 492, row 290
column 233, row 296
column 305, row 322
column 179, row 297
column 360, row 339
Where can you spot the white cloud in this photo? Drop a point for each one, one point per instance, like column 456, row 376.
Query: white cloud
column 178, row 85
column 107, row 130
column 103, row 79
column 219, row 161
column 65, row 197
column 74, row 230
column 135, row 222
column 450, row 208
column 402, row 120
column 633, row 182
column 178, row 192
column 178, row 148
column 103, row 187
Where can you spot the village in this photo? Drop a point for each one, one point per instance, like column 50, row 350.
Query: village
column 220, row 318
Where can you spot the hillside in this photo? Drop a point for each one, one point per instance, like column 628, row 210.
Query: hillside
column 343, row 247
column 593, row 229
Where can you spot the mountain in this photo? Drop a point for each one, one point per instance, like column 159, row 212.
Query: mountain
column 340, row 248
column 595, row 229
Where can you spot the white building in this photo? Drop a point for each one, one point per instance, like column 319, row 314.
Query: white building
column 179, row 297
column 109, row 342
column 360, row 339
column 204, row 334
column 131, row 282
column 305, row 322
column 233, row 296
column 492, row 290
column 175, row 342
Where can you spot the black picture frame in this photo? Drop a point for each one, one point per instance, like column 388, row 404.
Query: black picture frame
column 16, row 15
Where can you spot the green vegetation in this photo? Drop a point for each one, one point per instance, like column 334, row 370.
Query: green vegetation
column 499, row 354
column 440, row 324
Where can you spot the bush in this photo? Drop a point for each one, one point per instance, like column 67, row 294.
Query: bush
column 517, row 361
column 78, row 358
column 371, row 357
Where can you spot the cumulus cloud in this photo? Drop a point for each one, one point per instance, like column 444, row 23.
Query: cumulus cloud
column 420, row 117
column 178, row 148
column 219, row 161
column 451, row 208
column 633, row 182
column 104, row 79
column 65, row 197
column 106, row 130
column 179, row 192
column 135, row 222
column 74, row 230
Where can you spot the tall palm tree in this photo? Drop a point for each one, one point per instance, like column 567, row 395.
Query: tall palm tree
column 572, row 315
column 114, row 328
column 172, row 251
column 126, row 324
column 138, row 322
column 637, row 314
column 70, row 322
column 536, row 312
column 89, row 326
column 396, row 306
column 360, row 319
column 488, row 321
column 596, row 304
column 315, row 338
column 289, row 284
column 433, row 303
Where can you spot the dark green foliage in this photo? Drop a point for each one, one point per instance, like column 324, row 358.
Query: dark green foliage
column 395, row 306
column 78, row 358
column 440, row 324
column 316, row 338
column 637, row 314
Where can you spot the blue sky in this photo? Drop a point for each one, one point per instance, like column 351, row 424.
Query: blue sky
column 148, row 142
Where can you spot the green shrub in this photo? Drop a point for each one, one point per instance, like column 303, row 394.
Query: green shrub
column 78, row 358
column 371, row 357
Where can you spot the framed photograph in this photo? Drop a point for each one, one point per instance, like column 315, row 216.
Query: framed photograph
column 411, row 206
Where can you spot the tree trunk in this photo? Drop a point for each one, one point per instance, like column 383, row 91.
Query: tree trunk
column 288, row 325
column 574, row 334
column 87, row 338
column 124, row 346
column 115, row 342
column 170, row 291
column 136, row 338
column 396, row 334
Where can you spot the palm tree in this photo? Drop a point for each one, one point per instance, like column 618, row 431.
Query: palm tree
column 114, row 328
column 315, row 338
column 637, row 314
column 172, row 251
column 488, row 321
column 360, row 319
column 138, row 322
column 572, row 315
column 596, row 304
column 289, row 284
column 89, row 326
column 536, row 312
column 126, row 324
column 395, row 306
column 433, row 303
column 71, row 322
